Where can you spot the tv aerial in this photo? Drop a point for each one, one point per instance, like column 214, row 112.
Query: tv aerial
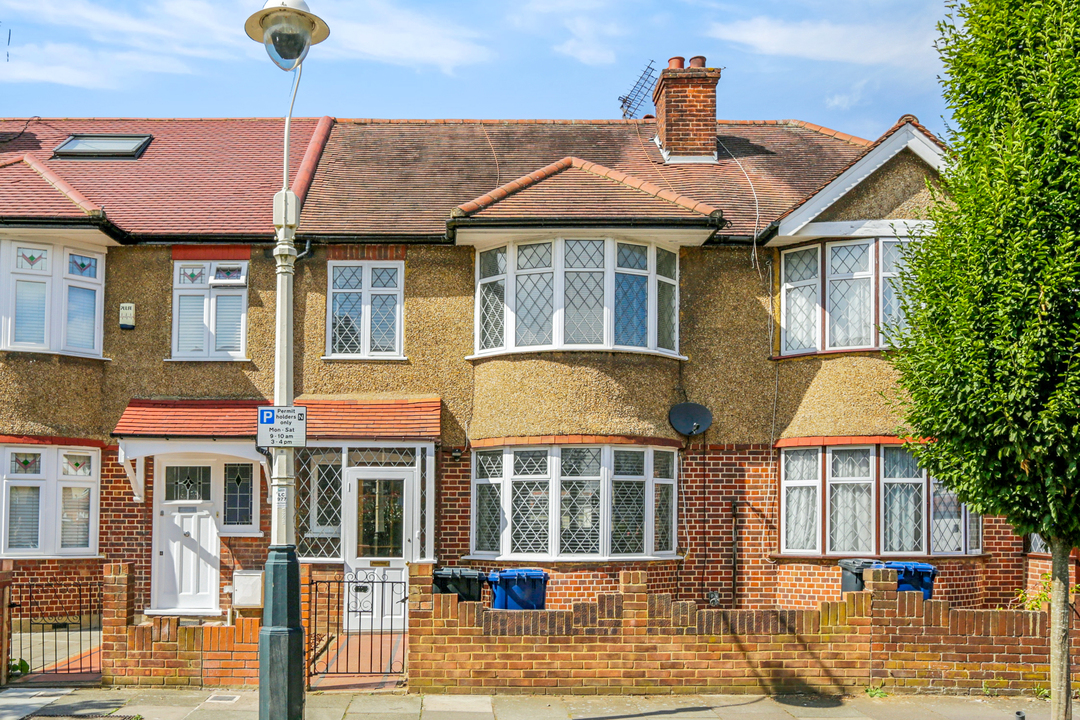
column 632, row 101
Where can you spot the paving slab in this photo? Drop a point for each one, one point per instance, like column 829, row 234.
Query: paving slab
column 17, row 703
column 324, row 713
column 806, row 707
column 175, row 698
column 746, row 707
column 384, row 704
column 674, row 707
column 383, row 716
column 83, row 705
column 219, row 714
column 529, row 707
column 329, row 700
column 606, row 706
column 156, row 712
column 457, row 703
column 456, row 715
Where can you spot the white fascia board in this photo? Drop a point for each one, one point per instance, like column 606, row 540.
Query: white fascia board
column 482, row 238
column 853, row 229
column 79, row 235
column 907, row 137
column 139, row 448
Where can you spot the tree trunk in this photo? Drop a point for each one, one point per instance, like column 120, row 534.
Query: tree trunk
column 1060, row 686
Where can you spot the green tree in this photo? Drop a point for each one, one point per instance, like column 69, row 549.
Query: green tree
column 989, row 359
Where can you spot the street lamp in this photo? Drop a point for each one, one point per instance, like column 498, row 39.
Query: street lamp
column 287, row 29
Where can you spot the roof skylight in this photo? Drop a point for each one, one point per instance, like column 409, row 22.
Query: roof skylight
column 103, row 146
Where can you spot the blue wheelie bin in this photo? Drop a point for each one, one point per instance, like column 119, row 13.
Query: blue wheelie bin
column 914, row 576
column 518, row 589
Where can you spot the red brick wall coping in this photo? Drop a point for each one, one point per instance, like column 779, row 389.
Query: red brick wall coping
column 366, row 252
column 211, row 252
column 576, row 440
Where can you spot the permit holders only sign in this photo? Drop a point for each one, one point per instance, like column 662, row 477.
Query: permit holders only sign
column 282, row 427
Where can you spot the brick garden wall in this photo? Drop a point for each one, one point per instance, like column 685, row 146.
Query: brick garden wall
column 635, row 642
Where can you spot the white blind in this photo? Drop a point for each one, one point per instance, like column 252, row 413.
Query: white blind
column 30, row 312
column 228, row 322
column 190, row 328
column 23, row 505
column 75, row 517
column 81, row 313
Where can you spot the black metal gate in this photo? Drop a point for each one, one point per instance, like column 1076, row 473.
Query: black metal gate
column 357, row 625
column 55, row 628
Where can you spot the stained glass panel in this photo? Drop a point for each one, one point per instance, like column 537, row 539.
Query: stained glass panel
column 82, row 265
column 26, row 463
column 579, row 508
column 32, row 259
column 192, row 275
column 238, row 494
column 628, row 517
column 229, row 272
column 77, row 465
column 187, row 483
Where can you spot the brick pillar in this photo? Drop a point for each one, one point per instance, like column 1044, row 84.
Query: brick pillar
column 117, row 615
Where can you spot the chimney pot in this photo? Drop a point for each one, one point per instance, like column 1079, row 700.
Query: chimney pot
column 685, row 100
column 676, row 63
column 698, row 61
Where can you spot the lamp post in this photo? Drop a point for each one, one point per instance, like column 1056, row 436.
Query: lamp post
column 287, row 29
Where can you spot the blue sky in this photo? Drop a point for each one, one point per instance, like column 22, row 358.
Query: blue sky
column 854, row 65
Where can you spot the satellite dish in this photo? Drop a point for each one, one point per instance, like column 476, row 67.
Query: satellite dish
column 690, row 418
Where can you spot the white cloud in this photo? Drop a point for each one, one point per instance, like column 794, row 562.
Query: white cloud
column 81, row 67
column 379, row 31
column 908, row 46
column 846, row 101
column 586, row 42
column 588, row 22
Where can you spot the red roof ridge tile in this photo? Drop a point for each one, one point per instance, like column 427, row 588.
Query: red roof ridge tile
column 494, row 121
column 63, row 187
column 153, row 119
column 306, row 173
column 617, row 176
column 851, row 139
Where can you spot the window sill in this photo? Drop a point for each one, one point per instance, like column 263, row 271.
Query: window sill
column 13, row 556
column 58, row 353
column 821, row 559
column 579, row 559
column 827, row 353
column 181, row 612
column 209, row 360
column 242, row 534
column 534, row 351
column 361, row 358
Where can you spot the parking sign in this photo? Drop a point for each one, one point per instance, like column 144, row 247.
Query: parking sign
column 282, row 427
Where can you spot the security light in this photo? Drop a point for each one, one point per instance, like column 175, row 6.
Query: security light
column 288, row 29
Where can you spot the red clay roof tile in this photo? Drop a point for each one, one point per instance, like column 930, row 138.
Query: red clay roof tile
column 397, row 419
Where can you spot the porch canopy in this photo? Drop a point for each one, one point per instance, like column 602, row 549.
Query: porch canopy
column 229, row 426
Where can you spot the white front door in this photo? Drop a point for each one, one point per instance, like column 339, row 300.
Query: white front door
column 378, row 534
column 187, row 563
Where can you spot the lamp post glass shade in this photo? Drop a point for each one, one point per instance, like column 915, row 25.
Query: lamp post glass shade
column 287, row 29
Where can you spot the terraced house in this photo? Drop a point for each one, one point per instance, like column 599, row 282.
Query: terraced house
column 493, row 321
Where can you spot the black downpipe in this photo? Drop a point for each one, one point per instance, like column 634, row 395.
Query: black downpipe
column 734, row 554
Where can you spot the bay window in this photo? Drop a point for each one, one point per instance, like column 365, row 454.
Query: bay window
column 574, row 502
column 876, row 501
column 364, row 308
column 574, row 294
column 839, row 295
column 51, row 298
column 209, row 310
column 50, row 501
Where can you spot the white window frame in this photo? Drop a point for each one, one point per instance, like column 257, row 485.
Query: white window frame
column 553, row 480
column 210, row 291
column 57, row 280
column 559, row 283
column 814, row 282
column 965, row 528
column 926, row 500
column 877, row 276
column 830, row 481
column 868, row 274
column 815, row 483
column 217, row 478
column 50, row 480
column 366, row 291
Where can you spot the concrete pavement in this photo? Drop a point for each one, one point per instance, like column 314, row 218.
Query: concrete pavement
column 243, row 705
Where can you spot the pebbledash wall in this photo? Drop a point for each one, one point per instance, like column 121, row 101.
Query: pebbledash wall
column 632, row 641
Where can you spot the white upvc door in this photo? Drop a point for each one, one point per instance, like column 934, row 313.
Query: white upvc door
column 186, row 562
column 377, row 520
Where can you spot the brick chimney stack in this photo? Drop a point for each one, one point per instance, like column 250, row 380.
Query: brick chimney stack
column 685, row 100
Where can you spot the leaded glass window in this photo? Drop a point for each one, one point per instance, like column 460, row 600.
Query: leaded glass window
column 947, row 529
column 30, row 258
column 800, row 299
column 82, row 265
column 239, row 494
column 77, row 464
column 664, row 522
column 851, row 501
column 25, row 463
column 365, row 302
column 488, row 518
column 801, row 470
column 318, row 502
column 529, row 522
column 187, row 483
column 903, row 502
column 608, row 294
column 892, row 315
column 850, row 305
